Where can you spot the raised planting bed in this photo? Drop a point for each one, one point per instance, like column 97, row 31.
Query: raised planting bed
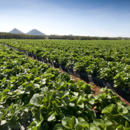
column 125, row 93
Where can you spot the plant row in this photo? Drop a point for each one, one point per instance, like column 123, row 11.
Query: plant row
column 34, row 96
column 109, row 60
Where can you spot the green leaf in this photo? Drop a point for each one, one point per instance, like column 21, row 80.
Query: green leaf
column 58, row 127
column 66, row 100
column 104, row 95
column 34, row 128
column 66, row 93
column 49, row 95
column 72, row 122
column 21, row 92
column 65, row 122
column 76, row 94
column 127, row 117
column 79, row 127
column 43, row 81
column 103, row 124
column 33, row 124
column 109, row 108
column 121, row 109
column 110, row 128
column 93, row 127
column 36, row 100
column 37, row 85
column 92, row 101
column 127, row 124
column 81, row 105
column 80, row 119
column 69, row 123
column 98, row 122
column 107, row 123
column 3, row 122
column 84, row 124
column 72, row 104
column 51, row 116
column 120, row 127
column 39, row 125
column 45, row 89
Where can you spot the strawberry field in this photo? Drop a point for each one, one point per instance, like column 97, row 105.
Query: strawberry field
column 108, row 60
column 34, row 96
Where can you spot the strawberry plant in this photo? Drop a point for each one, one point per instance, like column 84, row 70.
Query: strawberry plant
column 34, row 96
column 105, row 59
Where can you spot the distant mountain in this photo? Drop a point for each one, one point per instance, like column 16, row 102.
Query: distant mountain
column 16, row 31
column 70, row 35
column 35, row 32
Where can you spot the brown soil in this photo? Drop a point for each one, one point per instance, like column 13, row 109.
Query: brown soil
column 96, row 88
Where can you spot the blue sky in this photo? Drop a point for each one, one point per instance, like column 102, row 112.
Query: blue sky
column 77, row 17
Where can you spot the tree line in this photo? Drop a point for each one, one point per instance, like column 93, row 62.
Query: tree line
column 25, row 36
